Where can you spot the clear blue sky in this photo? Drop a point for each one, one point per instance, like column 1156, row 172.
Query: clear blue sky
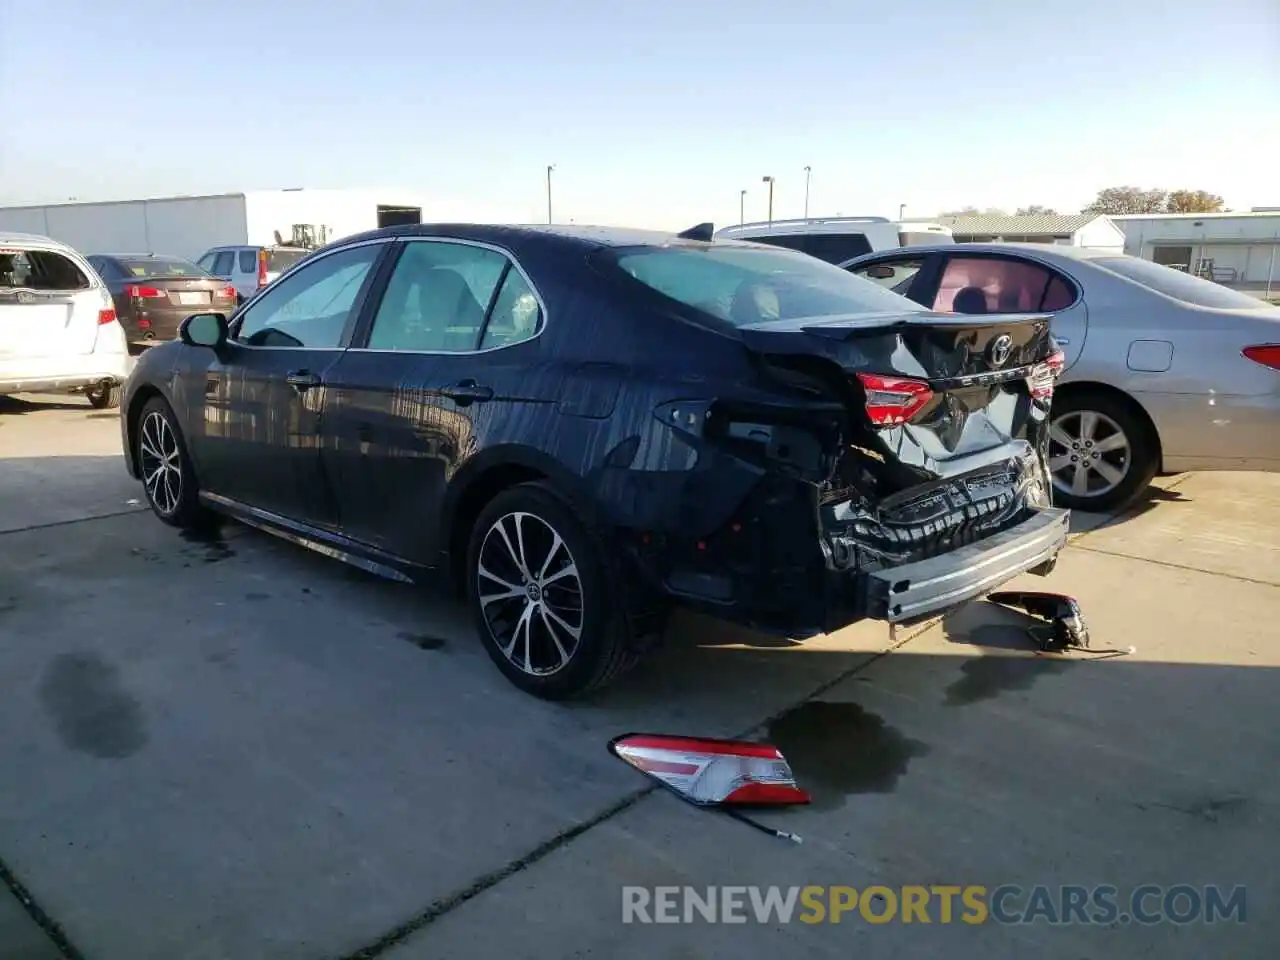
column 655, row 113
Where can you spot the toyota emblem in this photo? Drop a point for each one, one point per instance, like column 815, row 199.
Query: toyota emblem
column 1000, row 348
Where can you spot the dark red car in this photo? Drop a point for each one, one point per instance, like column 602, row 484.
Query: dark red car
column 153, row 293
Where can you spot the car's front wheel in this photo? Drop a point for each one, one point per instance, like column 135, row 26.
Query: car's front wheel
column 167, row 474
column 545, row 595
column 1101, row 453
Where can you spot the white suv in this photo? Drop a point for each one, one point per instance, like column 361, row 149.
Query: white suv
column 58, row 326
column 838, row 239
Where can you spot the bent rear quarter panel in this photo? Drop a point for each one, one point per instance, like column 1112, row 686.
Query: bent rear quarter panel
column 604, row 364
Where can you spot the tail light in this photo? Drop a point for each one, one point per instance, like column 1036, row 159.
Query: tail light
column 1045, row 373
column 226, row 293
column 893, row 400
column 105, row 316
column 1267, row 354
column 144, row 293
column 262, row 268
column 712, row 772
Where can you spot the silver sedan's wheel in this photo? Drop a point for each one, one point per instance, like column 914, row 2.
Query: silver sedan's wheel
column 530, row 593
column 1089, row 454
column 161, row 461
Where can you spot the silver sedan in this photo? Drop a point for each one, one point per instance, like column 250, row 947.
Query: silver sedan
column 1165, row 372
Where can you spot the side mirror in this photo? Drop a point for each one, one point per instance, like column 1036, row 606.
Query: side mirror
column 204, row 330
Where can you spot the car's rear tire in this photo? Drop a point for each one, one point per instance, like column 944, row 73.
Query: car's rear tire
column 1102, row 453
column 167, row 474
column 104, row 396
column 546, row 595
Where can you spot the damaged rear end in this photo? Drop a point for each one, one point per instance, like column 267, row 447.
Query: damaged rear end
column 900, row 455
column 938, row 490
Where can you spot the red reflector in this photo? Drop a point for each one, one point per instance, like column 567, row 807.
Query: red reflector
column 1043, row 375
column 1267, row 354
column 712, row 772
column 144, row 324
column 144, row 293
column 893, row 400
column 106, row 316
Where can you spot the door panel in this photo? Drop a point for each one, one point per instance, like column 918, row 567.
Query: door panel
column 446, row 343
column 256, row 415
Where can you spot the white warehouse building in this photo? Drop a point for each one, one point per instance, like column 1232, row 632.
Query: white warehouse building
column 1235, row 249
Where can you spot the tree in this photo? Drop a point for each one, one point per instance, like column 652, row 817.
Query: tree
column 1193, row 201
column 1037, row 210
column 1112, row 200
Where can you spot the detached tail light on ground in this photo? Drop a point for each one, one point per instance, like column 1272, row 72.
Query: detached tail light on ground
column 713, row 772
column 1045, row 373
column 1267, row 354
column 893, row 400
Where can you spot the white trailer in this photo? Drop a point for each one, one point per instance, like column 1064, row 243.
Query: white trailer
column 188, row 226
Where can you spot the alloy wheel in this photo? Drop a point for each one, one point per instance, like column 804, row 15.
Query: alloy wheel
column 161, row 462
column 530, row 593
column 1089, row 453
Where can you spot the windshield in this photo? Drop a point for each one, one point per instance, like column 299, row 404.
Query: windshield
column 161, row 267
column 742, row 285
column 39, row 270
column 278, row 260
column 1179, row 285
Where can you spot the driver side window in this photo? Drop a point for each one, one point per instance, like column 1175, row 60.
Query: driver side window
column 311, row 307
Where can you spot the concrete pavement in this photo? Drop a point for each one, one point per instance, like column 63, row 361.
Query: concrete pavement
column 232, row 748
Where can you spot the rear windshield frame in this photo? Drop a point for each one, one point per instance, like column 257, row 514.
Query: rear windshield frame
column 40, row 263
column 1177, row 284
column 129, row 263
column 868, row 298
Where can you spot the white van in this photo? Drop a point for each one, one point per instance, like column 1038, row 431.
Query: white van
column 58, row 327
column 838, row 239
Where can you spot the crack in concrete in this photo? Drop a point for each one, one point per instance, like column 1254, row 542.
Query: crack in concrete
column 67, row 523
column 52, row 929
column 438, row 908
column 1177, row 566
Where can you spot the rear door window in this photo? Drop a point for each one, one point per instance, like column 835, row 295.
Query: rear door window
column 836, row 247
column 980, row 285
column 248, row 261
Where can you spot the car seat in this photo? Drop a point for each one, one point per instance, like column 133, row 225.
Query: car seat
column 754, row 302
column 969, row 300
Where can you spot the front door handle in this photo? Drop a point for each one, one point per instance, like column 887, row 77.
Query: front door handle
column 302, row 380
column 468, row 391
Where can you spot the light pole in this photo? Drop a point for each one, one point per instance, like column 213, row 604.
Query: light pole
column 902, row 209
column 550, row 167
column 769, row 181
column 807, row 172
column 742, row 206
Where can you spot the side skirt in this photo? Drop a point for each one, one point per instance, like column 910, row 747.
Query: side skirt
column 321, row 541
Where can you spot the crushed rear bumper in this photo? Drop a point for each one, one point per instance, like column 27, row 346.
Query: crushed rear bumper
column 914, row 590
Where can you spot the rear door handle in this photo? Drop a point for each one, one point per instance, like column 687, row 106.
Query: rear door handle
column 302, row 380
column 468, row 391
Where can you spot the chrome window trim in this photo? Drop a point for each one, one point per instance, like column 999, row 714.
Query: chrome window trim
column 484, row 245
column 300, row 264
